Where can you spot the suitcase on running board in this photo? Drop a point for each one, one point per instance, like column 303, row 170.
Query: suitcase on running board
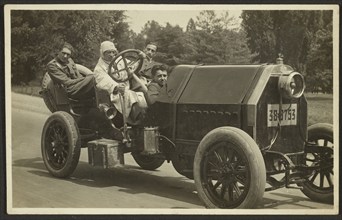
column 105, row 153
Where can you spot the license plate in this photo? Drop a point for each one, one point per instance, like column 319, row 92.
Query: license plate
column 287, row 115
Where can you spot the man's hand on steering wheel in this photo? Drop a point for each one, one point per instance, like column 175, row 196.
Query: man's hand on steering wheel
column 129, row 61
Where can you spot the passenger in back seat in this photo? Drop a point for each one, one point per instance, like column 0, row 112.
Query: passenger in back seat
column 62, row 70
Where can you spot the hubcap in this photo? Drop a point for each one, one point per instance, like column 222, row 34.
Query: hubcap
column 225, row 175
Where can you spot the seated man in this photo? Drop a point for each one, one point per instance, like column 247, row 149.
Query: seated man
column 62, row 70
column 134, row 101
column 159, row 77
column 150, row 52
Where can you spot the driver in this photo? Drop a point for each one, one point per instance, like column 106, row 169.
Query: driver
column 135, row 102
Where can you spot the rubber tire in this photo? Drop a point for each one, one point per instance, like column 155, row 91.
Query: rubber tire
column 254, row 157
column 74, row 141
column 147, row 162
column 318, row 131
column 83, row 70
column 50, row 103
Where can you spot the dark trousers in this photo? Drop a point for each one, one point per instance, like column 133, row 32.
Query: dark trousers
column 84, row 89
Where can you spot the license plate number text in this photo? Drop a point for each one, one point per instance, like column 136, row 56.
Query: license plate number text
column 287, row 115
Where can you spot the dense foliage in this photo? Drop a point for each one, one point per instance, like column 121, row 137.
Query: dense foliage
column 208, row 40
column 37, row 35
column 304, row 38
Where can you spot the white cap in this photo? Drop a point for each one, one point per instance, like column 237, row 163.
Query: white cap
column 107, row 45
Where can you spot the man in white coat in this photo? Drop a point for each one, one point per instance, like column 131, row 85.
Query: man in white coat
column 135, row 102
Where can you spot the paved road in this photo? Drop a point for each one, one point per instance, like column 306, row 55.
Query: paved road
column 127, row 187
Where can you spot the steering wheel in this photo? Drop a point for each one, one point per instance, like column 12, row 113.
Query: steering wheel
column 125, row 64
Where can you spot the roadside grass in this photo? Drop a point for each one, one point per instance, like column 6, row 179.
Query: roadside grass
column 320, row 106
column 29, row 90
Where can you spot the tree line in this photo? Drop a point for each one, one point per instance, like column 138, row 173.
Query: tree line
column 303, row 38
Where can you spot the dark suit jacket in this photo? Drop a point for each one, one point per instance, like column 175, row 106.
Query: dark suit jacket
column 153, row 92
column 147, row 67
column 69, row 77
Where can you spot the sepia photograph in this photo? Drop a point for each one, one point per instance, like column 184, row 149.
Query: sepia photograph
column 172, row 109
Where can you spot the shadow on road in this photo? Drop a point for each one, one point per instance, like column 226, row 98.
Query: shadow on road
column 36, row 163
column 130, row 179
column 134, row 180
column 290, row 199
column 287, row 199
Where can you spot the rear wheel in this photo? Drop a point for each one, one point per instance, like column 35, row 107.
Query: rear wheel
column 61, row 144
column 229, row 169
column 147, row 162
column 320, row 185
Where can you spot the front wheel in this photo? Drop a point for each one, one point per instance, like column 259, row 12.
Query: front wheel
column 147, row 162
column 61, row 144
column 229, row 169
column 320, row 185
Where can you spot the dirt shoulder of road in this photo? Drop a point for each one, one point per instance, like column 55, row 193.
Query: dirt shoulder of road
column 28, row 102
column 28, row 90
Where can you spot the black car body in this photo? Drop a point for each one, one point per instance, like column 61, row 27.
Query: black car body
column 232, row 128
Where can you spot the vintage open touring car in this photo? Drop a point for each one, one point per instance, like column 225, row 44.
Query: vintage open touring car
column 237, row 130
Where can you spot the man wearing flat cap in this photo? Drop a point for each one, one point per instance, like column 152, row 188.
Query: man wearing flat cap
column 63, row 71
